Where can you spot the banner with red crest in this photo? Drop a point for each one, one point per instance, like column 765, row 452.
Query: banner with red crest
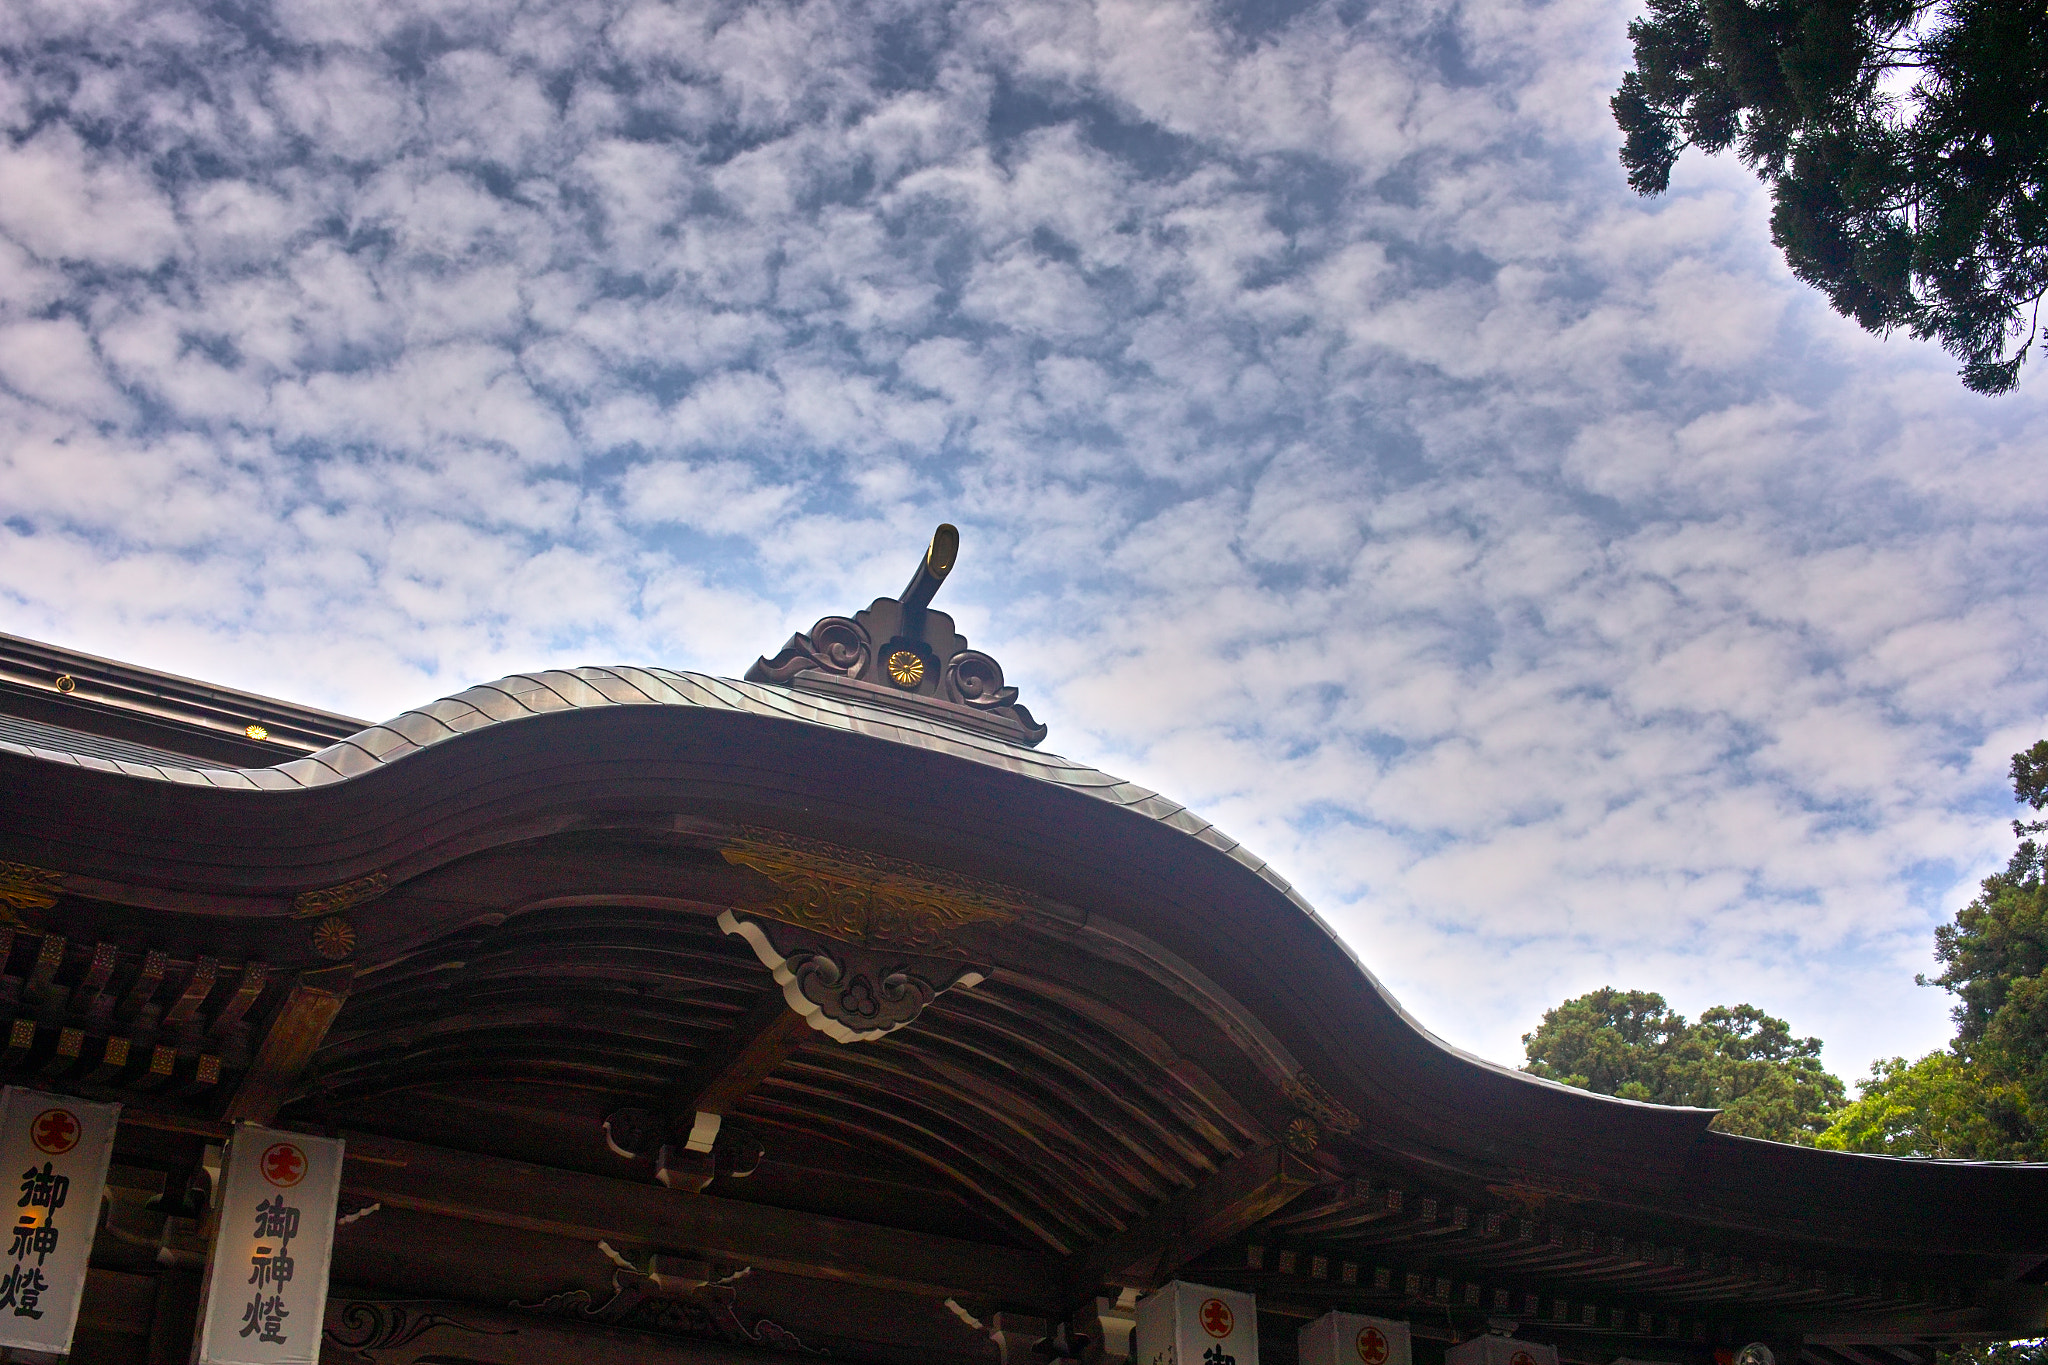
column 54, row 1152
column 266, row 1276
column 1355, row 1339
column 1193, row 1324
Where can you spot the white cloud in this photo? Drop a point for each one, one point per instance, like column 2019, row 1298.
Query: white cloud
column 723, row 497
column 1544, row 580
column 53, row 363
column 65, row 202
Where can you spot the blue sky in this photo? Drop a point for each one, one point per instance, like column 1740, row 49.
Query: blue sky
column 1551, row 586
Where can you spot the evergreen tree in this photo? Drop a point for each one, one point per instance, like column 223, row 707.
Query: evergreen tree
column 1765, row 1082
column 1905, row 143
column 1940, row 1106
column 1987, row 1095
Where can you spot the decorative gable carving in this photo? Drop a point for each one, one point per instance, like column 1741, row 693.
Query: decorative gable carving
column 861, row 943
column 865, row 898
column 900, row 653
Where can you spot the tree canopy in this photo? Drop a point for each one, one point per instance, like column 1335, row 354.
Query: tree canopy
column 1765, row 1082
column 1986, row 1095
column 1983, row 1097
column 1905, row 143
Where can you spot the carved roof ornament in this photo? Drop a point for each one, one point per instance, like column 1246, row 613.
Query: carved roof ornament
column 23, row 887
column 327, row 900
column 865, row 898
column 861, row 943
column 900, row 653
column 1308, row 1095
column 849, row 993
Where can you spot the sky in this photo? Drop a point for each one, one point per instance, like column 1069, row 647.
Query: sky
column 1547, row 583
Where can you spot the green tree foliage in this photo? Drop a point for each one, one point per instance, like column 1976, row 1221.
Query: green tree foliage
column 1905, row 143
column 2033, row 1352
column 1987, row 1095
column 1939, row 1106
column 1997, row 949
column 1765, row 1082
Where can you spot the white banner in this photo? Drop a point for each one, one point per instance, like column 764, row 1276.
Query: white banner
column 53, row 1155
column 1192, row 1324
column 1354, row 1339
column 1493, row 1349
column 266, row 1275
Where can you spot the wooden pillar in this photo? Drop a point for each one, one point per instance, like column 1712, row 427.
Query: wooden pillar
column 175, row 1317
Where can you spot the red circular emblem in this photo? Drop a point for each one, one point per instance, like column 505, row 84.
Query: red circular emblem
column 1217, row 1319
column 55, row 1131
column 285, row 1166
column 1521, row 1358
column 1372, row 1346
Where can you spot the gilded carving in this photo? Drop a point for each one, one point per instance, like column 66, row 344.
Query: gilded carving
column 328, row 900
column 334, row 938
column 906, row 668
column 28, row 888
column 867, row 899
column 1319, row 1104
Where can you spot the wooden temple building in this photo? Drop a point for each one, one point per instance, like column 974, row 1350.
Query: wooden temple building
column 679, row 1019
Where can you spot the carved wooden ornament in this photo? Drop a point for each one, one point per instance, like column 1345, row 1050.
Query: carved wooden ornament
column 334, row 938
column 1310, row 1098
column 328, row 900
column 860, row 943
column 849, row 994
column 899, row 652
column 867, row 899
column 28, row 888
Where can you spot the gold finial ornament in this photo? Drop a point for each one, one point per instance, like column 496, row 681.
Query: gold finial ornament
column 944, row 549
column 255, row 732
column 933, row 568
column 66, row 683
column 906, row 668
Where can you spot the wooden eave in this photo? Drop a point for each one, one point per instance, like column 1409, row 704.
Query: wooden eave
column 203, row 722
column 498, row 919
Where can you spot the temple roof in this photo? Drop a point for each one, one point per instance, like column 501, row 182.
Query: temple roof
column 523, row 697
column 546, row 913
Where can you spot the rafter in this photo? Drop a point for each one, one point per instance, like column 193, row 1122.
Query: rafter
column 288, row 1046
column 494, row 1191
column 1233, row 1197
column 744, row 1056
column 695, row 1108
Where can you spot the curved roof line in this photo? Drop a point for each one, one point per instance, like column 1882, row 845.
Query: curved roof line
column 522, row 696
column 527, row 696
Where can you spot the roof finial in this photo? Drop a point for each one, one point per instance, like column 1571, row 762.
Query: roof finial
column 933, row 568
column 900, row 653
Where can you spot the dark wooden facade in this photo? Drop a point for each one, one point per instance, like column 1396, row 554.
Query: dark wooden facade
column 988, row 1040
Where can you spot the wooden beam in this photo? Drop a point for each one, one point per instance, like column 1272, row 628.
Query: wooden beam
column 763, row 1038
column 289, row 1044
column 737, row 1061
column 1233, row 1198
column 474, row 1333
column 590, row 1208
